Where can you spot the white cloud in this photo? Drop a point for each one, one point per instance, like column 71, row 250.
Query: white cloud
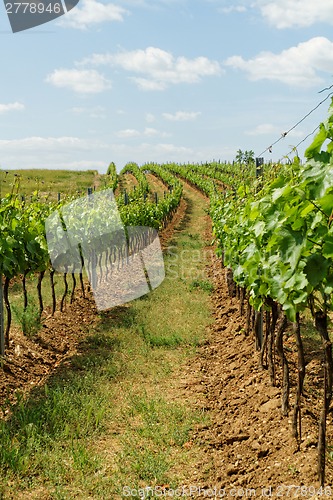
column 233, row 8
column 145, row 84
column 171, row 148
column 93, row 112
column 161, row 152
column 92, row 12
column 296, row 133
column 153, row 132
column 128, row 133
column 158, row 67
column 270, row 129
column 148, row 132
column 263, row 129
column 297, row 66
column 296, row 13
column 78, row 110
column 53, row 152
column 150, row 118
column 156, row 152
column 37, row 143
column 83, row 165
column 13, row 106
column 181, row 116
column 87, row 81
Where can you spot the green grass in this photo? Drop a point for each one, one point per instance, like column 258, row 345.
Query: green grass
column 29, row 318
column 167, row 340
column 45, row 431
column 154, row 427
column 204, row 285
column 47, row 182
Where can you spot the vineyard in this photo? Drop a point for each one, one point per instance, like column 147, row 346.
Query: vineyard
column 259, row 258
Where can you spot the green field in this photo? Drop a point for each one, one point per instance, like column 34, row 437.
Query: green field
column 48, row 183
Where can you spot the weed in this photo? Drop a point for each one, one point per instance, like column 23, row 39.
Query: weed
column 28, row 318
column 293, row 469
column 154, row 340
column 204, row 285
column 330, row 452
column 193, row 236
column 154, row 427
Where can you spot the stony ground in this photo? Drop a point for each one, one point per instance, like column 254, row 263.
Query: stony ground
column 248, row 443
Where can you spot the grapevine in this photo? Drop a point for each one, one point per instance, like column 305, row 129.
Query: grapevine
column 278, row 243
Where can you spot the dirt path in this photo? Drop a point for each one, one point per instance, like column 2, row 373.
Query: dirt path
column 156, row 186
column 128, row 182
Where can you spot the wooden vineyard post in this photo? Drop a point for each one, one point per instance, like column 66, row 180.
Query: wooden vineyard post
column 93, row 254
column 259, row 329
column 259, row 167
column 321, row 326
column 259, row 323
column 259, row 171
column 2, row 322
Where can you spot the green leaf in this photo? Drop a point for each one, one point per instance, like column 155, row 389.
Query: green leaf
column 298, row 281
column 317, row 142
column 328, row 247
column 259, row 228
column 290, row 311
column 291, row 244
column 309, row 207
column 326, row 203
column 316, row 269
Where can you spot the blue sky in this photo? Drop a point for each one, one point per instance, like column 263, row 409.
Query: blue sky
column 163, row 80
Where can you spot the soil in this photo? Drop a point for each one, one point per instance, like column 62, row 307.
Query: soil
column 247, row 442
column 219, row 184
column 156, row 186
column 30, row 361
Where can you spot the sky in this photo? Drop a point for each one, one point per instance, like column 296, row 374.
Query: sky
column 163, row 81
